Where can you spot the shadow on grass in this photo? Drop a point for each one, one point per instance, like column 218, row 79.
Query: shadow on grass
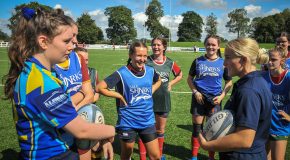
column 185, row 127
column 180, row 152
column 9, row 154
column 117, row 146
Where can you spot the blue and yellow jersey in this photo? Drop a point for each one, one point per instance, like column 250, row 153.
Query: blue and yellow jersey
column 42, row 108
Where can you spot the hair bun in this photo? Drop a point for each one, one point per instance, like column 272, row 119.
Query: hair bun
column 262, row 51
column 28, row 13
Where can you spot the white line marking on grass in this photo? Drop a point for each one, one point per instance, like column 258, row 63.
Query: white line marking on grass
column 181, row 92
column 189, row 92
column 3, row 60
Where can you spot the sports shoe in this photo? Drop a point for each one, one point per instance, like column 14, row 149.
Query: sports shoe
column 193, row 158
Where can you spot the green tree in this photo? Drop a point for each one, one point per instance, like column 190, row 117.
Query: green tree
column 89, row 32
column 4, row 36
column 190, row 28
column 121, row 25
column 17, row 12
column 254, row 26
column 211, row 24
column 154, row 12
column 265, row 31
column 238, row 22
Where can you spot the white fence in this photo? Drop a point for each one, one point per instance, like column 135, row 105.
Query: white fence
column 4, row 44
column 124, row 47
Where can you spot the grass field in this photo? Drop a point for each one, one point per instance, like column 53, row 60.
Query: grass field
column 178, row 131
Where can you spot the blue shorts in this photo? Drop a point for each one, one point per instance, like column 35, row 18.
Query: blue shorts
column 207, row 109
column 147, row 134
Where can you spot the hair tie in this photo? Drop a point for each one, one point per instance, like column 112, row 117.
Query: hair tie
column 28, row 13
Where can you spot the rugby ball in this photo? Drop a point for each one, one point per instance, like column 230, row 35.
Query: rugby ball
column 92, row 114
column 219, row 125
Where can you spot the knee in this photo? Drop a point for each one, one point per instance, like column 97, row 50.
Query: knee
column 160, row 130
column 154, row 157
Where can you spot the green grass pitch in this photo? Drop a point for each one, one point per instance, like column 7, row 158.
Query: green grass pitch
column 178, row 129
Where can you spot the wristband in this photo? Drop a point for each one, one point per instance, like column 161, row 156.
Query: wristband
column 82, row 93
column 194, row 91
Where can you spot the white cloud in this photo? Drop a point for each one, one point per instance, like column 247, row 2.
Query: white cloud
column 101, row 19
column 139, row 21
column 272, row 11
column 202, row 4
column 4, row 27
column 172, row 23
column 57, row 6
column 223, row 31
column 253, row 11
column 66, row 11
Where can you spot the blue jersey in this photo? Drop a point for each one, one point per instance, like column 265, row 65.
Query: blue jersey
column 251, row 101
column 137, row 92
column 281, row 101
column 42, row 108
column 209, row 74
column 70, row 73
column 287, row 63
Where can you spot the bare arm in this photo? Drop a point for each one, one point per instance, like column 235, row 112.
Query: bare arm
column 242, row 138
column 77, row 98
column 96, row 94
column 156, row 85
column 81, row 129
column 228, row 86
column 102, row 88
column 174, row 81
column 189, row 82
column 198, row 96
column 87, row 89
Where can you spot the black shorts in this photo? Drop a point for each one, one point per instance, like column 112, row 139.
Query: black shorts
column 207, row 109
column 162, row 114
column 69, row 154
column 147, row 134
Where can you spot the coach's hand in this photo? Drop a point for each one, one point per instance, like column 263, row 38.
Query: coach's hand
column 217, row 100
column 202, row 141
column 284, row 115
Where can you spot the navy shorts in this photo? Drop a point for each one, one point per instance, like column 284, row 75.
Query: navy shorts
column 147, row 134
column 207, row 109
column 70, row 154
column 243, row 156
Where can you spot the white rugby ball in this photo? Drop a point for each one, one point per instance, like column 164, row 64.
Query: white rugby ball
column 219, row 125
column 93, row 114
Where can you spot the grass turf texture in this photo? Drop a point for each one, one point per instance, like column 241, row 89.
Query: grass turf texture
column 178, row 129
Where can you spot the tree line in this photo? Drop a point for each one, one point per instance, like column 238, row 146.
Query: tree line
column 121, row 25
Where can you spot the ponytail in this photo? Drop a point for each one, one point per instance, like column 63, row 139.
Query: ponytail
column 128, row 61
column 24, row 43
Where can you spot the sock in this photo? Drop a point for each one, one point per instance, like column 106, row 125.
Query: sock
column 160, row 141
column 211, row 154
column 142, row 150
column 195, row 146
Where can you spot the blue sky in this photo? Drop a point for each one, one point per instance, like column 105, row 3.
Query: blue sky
column 172, row 13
